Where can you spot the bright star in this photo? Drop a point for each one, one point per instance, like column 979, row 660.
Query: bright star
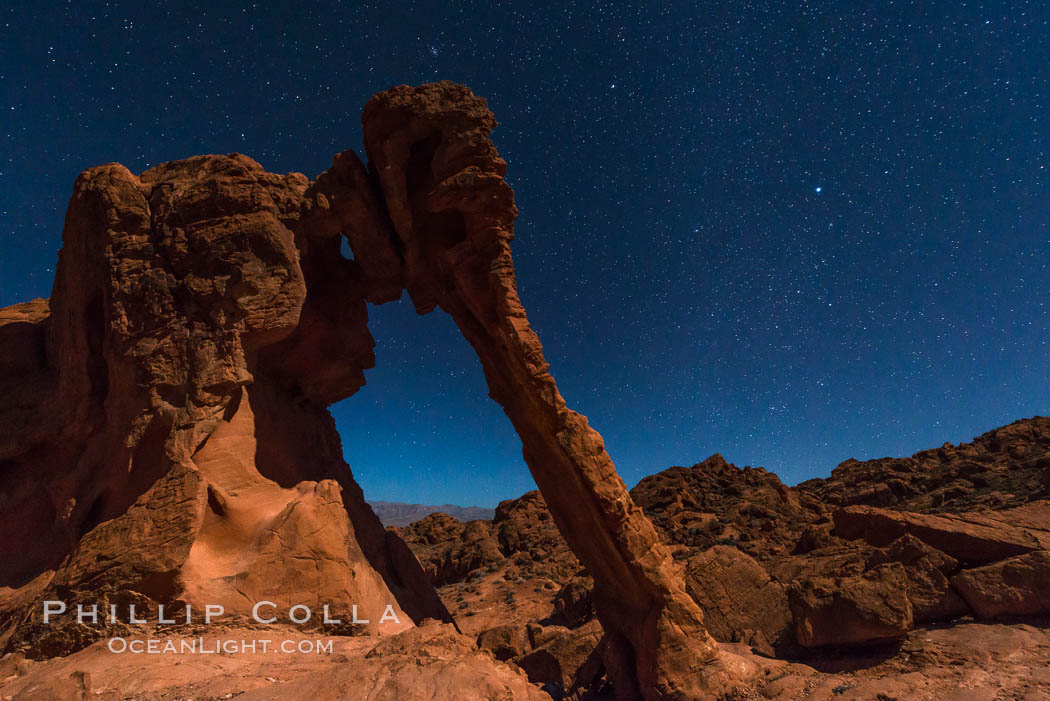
column 819, row 189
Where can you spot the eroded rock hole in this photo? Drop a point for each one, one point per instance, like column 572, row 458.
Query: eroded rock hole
column 344, row 248
column 422, row 429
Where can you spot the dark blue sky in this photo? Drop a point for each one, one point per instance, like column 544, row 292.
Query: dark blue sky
column 791, row 232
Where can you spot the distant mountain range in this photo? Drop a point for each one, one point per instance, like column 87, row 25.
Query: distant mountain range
column 394, row 513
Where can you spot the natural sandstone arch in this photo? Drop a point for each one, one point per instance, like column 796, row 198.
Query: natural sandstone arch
column 163, row 424
column 452, row 214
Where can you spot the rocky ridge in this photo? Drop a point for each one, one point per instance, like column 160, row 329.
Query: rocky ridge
column 393, row 513
column 794, row 572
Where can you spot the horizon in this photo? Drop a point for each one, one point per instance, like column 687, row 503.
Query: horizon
column 791, row 247
column 740, row 466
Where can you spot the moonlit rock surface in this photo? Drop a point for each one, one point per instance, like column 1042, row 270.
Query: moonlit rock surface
column 166, row 429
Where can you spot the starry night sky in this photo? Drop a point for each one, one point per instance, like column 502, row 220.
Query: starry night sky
column 790, row 232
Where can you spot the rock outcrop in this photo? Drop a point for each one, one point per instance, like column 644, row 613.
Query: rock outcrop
column 871, row 607
column 449, row 549
column 1013, row 587
column 431, row 661
column 741, row 602
column 165, row 440
column 521, row 534
column 156, row 450
column 981, row 536
column 1005, row 467
column 717, row 503
column 453, row 213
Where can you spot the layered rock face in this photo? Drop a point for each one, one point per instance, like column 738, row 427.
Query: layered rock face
column 164, row 438
column 156, row 448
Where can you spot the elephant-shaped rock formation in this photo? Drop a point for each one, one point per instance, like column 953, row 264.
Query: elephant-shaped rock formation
column 164, row 433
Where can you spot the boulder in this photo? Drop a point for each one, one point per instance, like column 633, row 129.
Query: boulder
column 574, row 603
column 869, row 608
column 927, row 569
column 557, row 654
column 740, row 601
column 968, row 537
column 1019, row 586
column 504, row 642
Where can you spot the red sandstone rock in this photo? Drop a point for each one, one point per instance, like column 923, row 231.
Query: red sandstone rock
column 528, row 534
column 740, row 602
column 927, row 569
column 453, row 214
column 573, row 605
column 202, row 318
column 557, row 654
column 504, row 642
column 715, row 502
column 164, row 438
column 522, row 535
column 967, row 661
column 430, row 662
column 449, row 549
column 1014, row 587
column 970, row 536
column 1005, row 467
column 158, row 454
column 872, row 607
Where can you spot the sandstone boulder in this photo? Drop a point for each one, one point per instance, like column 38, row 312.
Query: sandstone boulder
column 740, row 601
column 928, row 571
column 504, row 642
column 1019, row 586
column 869, row 608
column 558, row 654
column 969, row 537
column 573, row 603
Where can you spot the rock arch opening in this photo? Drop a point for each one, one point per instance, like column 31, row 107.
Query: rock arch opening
column 422, row 430
column 232, row 319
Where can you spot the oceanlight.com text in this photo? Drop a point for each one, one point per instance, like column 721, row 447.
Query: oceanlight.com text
column 201, row 646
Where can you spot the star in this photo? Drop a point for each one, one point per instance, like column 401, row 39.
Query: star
column 692, row 174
